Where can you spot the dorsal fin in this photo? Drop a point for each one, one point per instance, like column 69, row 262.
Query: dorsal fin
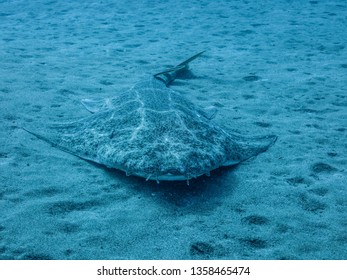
column 170, row 74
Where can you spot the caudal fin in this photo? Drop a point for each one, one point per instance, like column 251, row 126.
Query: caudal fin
column 167, row 76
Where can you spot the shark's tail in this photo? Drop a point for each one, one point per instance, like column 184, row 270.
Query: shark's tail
column 170, row 74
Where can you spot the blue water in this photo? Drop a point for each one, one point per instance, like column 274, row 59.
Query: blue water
column 270, row 67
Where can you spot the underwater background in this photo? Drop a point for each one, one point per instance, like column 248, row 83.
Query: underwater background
column 270, row 67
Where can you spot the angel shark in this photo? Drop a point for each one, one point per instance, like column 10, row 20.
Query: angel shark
column 153, row 132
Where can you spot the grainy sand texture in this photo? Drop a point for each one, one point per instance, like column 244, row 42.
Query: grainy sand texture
column 270, row 67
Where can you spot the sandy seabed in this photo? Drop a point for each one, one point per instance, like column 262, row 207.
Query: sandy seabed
column 270, row 67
